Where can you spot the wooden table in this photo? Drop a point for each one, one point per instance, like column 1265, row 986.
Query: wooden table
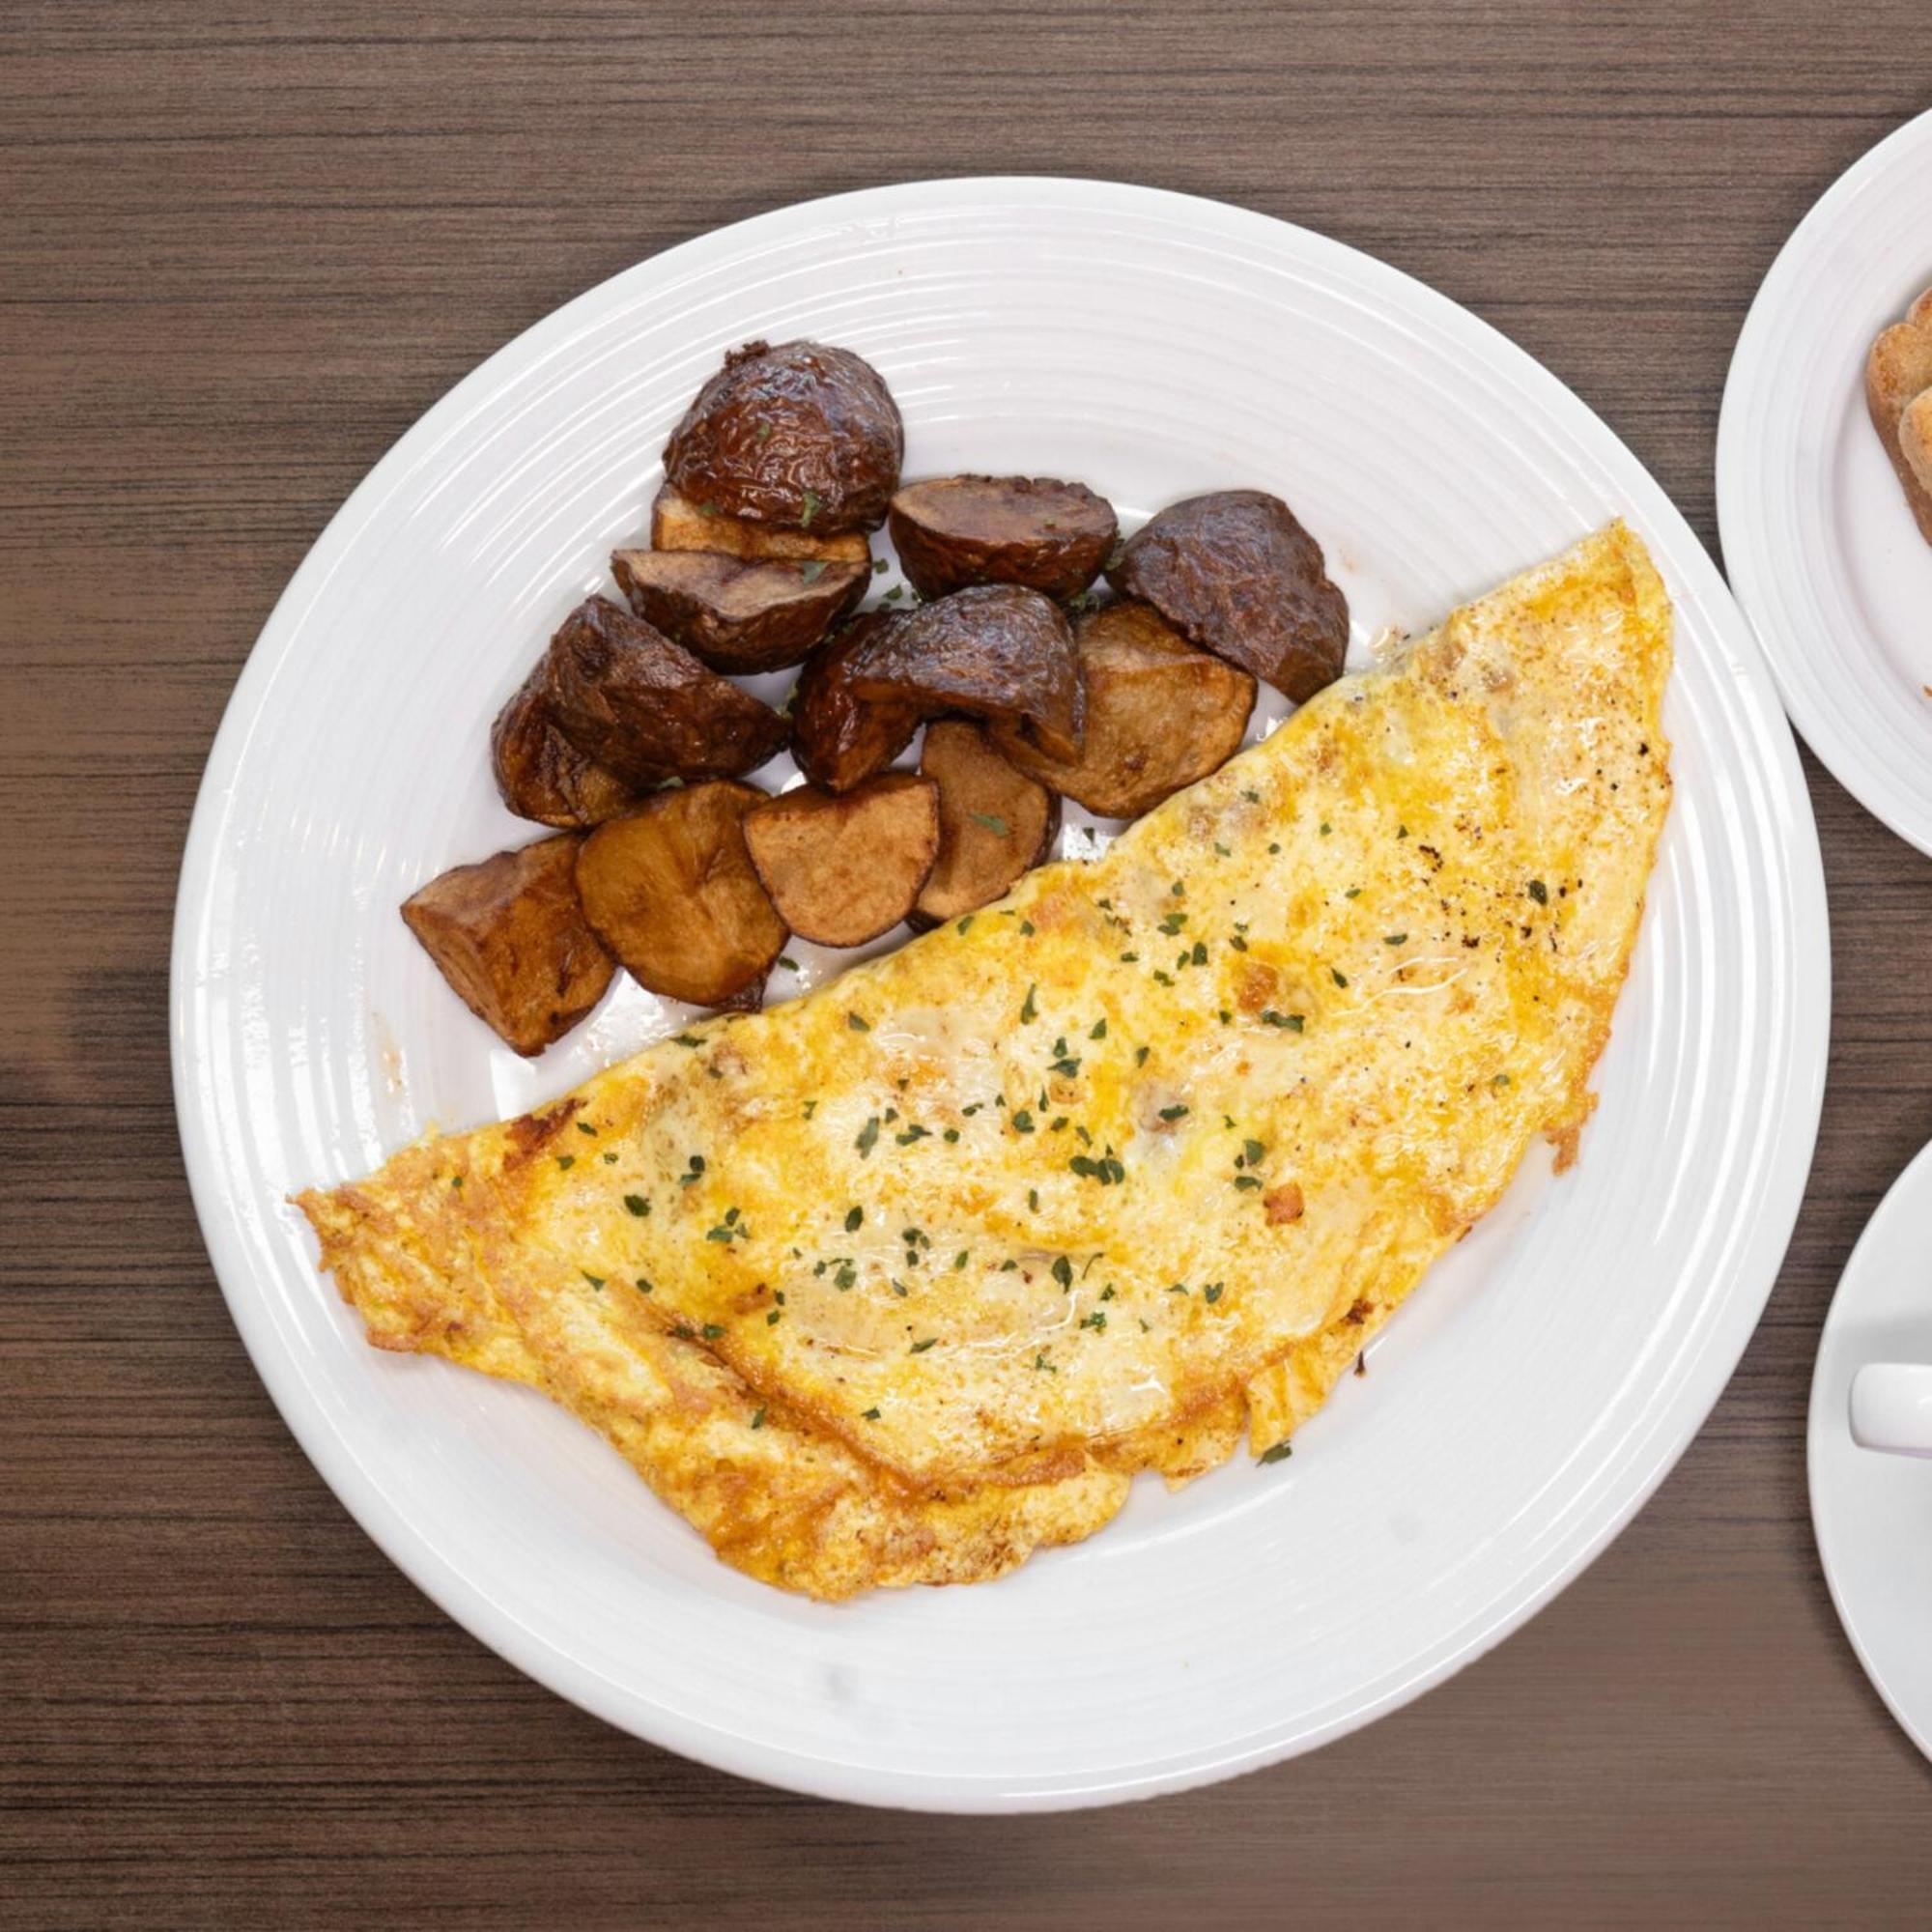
column 241, row 248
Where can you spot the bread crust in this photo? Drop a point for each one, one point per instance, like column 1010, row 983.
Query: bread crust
column 1898, row 374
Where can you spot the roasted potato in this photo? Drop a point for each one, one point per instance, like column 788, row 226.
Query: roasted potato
column 645, row 708
column 678, row 524
column 995, row 823
column 511, row 938
column 954, row 530
column 995, row 651
column 843, row 868
column 1159, row 715
column 802, row 436
column 837, row 737
column 738, row 616
column 1237, row 574
column 541, row 773
column 669, row 889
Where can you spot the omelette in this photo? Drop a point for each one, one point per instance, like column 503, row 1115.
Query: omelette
column 907, row 1278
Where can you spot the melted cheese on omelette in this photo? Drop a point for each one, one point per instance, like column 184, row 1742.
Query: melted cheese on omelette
column 905, row 1278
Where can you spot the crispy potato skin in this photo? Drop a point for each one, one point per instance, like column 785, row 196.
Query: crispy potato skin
column 802, row 434
column 979, row 793
column 541, row 773
column 624, row 695
column 1049, row 536
column 738, row 616
column 838, row 738
column 994, row 651
column 1235, row 572
column 1160, row 715
column 670, row 890
column 678, row 524
column 843, row 867
column 510, row 936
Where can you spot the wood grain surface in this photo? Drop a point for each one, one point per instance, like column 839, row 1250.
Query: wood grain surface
column 241, row 248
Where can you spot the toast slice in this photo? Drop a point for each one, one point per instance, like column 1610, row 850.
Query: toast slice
column 1898, row 371
column 1915, row 439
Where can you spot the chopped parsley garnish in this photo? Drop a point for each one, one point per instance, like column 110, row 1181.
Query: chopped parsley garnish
column 584, row 1127
column 692, row 1172
column 1291, row 1021
column 712, row 1330
column 810, row 573
column 1395, row 938
column 992, row 821
column 758, row 1416
column 787, row 962
column 868, row 1415
column 1026, row 926
column 1246, row 1180
column 1129, row 958
column 808, row 510
column 1063, row 1273
column 645, row 1285
column 595, row 1280
column 1107, row 1170
column 1029, row 1011
column 919, row 1348
column 810, row 1108
column 1069, row 1065
column 566, row 1161
column 1139, row 1056
column 1173, row 1113
column 1211, row 1293
column 686, row 1039
column 853, row 1217
column 846, row 1275
column 1097, row 1320
column 637, row 1204
column 1173, row 922
column 1500, row 1081
column 1200, row 953
column 1539, row 892
column 1280, row 1453
column 959, row 1260
column 950, row 1134
column 858, row 1023
column 868, row 1136
column 1239, row 944
column 914, row 1133
column 1354, row 893
column 1098, row 1031
column 1340, row 977
column 1023, row 1120
column 963, row 924
column 1032, row 1199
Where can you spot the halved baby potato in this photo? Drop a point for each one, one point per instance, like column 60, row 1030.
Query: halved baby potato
column 644, row 707
column 838, row 738
column 510, row 936
column 738, row 616
column 994, row 651
column 1050, row 536
column 679, row 523
column 995, row 823
column 843, row 867
column 1159, row 715
column 669, row 889
column 541, row 773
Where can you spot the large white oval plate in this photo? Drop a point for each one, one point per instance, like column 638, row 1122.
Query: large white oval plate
column 1524, row 1403
column 1818, row 537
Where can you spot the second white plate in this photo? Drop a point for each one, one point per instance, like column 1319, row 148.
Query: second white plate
column 1519, row 1408
column 1819, row 542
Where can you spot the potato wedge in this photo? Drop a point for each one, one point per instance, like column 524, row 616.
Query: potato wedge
column 800, row 435
column 669, row 889
column 510, row 937
column 738, row 616
column 1235, row 573
column 843, row 868
column 679, row 523
column 837, row 737
column 951, row 531
column 994, row 651
column 995, row 823
column 1159, row 715
column 541, row 773
column 626, row 696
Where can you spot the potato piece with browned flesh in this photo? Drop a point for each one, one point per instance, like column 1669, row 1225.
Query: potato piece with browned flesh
column 541, row 773
column 1235, row 572
column 838, row 738
column 738, row 616
column 1049, row 536
column 995, row 823
column 995, row 651
column 1159, row 715
column 646, row 708
column 669, row 889
column 843, row 867
column 800, row 435
column 679, row 523
column 510, row 937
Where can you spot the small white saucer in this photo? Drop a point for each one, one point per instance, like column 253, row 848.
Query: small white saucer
column 1871, row 1511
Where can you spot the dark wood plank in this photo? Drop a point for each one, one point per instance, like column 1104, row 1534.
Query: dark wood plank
column 241, row 250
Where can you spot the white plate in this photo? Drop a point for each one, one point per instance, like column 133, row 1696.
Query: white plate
column 1872, row 1513
column 1524, row 1403
column 1819, row 542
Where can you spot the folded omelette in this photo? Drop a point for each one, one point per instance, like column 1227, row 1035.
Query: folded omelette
column 905, row 1279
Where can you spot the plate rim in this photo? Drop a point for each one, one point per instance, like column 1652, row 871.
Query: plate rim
column 1739, row 528
column 1661, row 1437
column 1913, row 1180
